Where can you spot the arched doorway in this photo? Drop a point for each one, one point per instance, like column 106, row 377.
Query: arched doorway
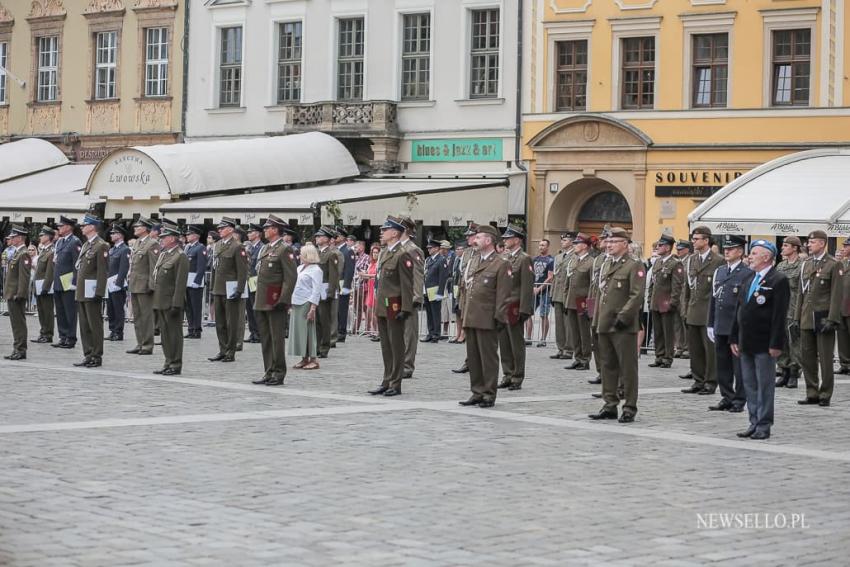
column 607, row 207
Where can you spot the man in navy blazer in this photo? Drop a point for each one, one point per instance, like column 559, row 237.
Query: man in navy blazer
column 758, row 336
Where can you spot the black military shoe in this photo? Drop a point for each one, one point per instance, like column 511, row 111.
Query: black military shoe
column 655, row 364
column 171, row 372
column 573, row 366
column 228, row 358
column 145, row 352
column 473, row 401
column 406, row 375
column 760, row 435
column 262, row 380
column 274, row 382
column 688, row 376
column 809, row 402
column 736, row 409
column 693, row 390
column 792, row 382
column 665, row 365
column 160, row 371
column 722, row 405
column 706, row 392
column 782, row 381
column 134, row 350
column 216, row 358
column 746, row 433
column 597, row 395
column 392, row 392
column 627, row 418
column 597, row 380
column 515, row 387
column 843, row 370
column 823, row 403
column 94, row 363
column 379, row 390
column 557, row 356
column 486, row 403
column 504, row 384
column 603, row 414
column 83, row 362
column 462, row 370
column 16, row 356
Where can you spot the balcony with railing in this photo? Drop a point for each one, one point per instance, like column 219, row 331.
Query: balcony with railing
column 366, row 119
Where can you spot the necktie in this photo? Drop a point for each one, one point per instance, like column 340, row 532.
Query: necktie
column 754, row 286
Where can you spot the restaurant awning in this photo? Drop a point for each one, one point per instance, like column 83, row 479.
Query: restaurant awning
column 28, row 156
column 46, row 195
column 791, row 195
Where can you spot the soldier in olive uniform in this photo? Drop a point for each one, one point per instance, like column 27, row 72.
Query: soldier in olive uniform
column 699, row 271
column 276, row 277
column 91, row 289
column 16, row 290
column 843, row 331
column 683, row 252
column 329, row 262
column 228, row 290
column 665, row 291
column 559, row 294
column 467, row 259
column 411, row 328
column 520, row 308
column 340, row 262
column 579, row 275
column 622, row 287
column 144, row 255
column 168, row 280
column 818, row 315
column 600, row 263
column 789, row 361
column 488, row 291
column 44, row 274
column 393, row 304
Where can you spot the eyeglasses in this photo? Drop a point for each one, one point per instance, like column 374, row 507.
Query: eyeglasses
column 699, row 237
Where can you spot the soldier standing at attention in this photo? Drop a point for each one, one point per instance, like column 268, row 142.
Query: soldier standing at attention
column 252, row 247
column 65, row 255
column 579, row 272
column 622, row 287
column 559, row 293
column 520, row 308
column 843, row 329
column 144, row 255
column 16, row 290
column 411, row 329
column 818, row 315
column 699, row 271
column 468, row 258
column 683, row 252
column 488, row 291
column 91, row 288
column 345, row 287
column 599, row 265
column 665, row 290
column 340, row 262
column 393, row 304
column 170, row 274
column 44, row 274
column 728, row 285
column 228, row 288
column 116, row 277
column 276, row 277
column 436, row 280
column 789, row 361
column 197, row 255
column 329, row 262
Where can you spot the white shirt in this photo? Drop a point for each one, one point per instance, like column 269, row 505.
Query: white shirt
column 308, row 286
column 733, row 266
column 483, row 257
column 704, row 255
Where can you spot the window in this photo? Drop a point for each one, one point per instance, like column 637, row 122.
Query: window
column 711, row 69
column 106, row 47
column 416, row 57
column 4, row 48
column 791, row 66
column 349, row 77
column 638, row 72
column 156, row 61
column 289, row 63
column 230, row 67
column 484, row 64
column 47, row 88
column 571, row 75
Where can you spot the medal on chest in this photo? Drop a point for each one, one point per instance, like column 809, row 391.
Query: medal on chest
column 761, row 299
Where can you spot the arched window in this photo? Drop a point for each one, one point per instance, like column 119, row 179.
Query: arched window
column 609, row 206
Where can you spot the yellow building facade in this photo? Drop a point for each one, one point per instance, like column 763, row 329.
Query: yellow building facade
column 637, row 110
column 91, row 75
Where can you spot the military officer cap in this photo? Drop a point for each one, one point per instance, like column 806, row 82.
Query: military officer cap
column 846, row 242
column 704, row 230
column 619, row 232
column 226, row 222
column 408, row 224
column 766, row 244
column 164, row 220
column 393, row 223
column 170, row 230
column 143, row 222
column 195, row 229
column 487, row 229
column 513, row 232
column 735, row 241
column 569, row 234
column 666, row 240
column 433, row 244
column 325, row 231
column 66, row 221
column 606, row 232
column 254, row 227
column 47, row 230
column 582, row 238
column 445, row 245
column 16, row 230
column 471, row 229
column 214, row 235
column 818, row 234
column 341, row 231
column 156, row 227
column 116, row 229
column 90, row 219
column 276, row 222
column 682, row 244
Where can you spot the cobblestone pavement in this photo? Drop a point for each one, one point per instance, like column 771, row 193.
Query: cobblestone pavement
column 117, row 466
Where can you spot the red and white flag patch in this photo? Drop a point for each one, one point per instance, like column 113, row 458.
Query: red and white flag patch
column 641, row 273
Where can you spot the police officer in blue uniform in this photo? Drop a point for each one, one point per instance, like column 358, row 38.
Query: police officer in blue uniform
column 728, row 285
column 436, row 279
column 347, row 274
column 196, row 251
column 67, row 250
column 117, row 268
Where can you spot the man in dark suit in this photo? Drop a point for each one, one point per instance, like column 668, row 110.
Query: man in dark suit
column 252, row 248
column 758, row 335
column 117, row 270
column 196, row 252
column 728, row 285
column 347, row 274
column 67, row 250
column 436, row 278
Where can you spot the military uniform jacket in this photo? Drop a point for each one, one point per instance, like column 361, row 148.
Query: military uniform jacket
column 600, row 263
column 277, row 273
column 437, row 273
column 119, row 263
column 347, row 265
column 253, row 251
column 488, row 292
column 418, row 270
column 791, row 270
column 467, row 258
column 18, row 270
column 622, row 288
column 580, row 272
column 522, row 276
column 231, row 265
column 728, row 285
column 820, row 291
column 683, row 296
column 665, row 286
column 143, row 259
column 559, row 280
column 168, row 279
column 44, row 267
column 65, row 255
column 197, row 255
column 845, row 289
column 394, row 292
column 92, row 265
column 329, row 262
column 700, row 284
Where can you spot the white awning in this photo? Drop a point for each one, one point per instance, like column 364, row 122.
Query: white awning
column 28, row 156
column 171, row 171
column 429, row 201
column 791, row 195
column 48, row 194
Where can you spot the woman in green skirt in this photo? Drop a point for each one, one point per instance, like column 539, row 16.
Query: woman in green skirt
column 305, row 300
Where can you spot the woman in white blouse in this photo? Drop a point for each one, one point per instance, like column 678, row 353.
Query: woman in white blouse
column 305, row 301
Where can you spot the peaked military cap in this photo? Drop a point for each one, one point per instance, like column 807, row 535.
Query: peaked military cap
column 16, row 230
column 47, row 230
column 735, row 241
column 325, row 231
column 445, row 244
column 254, row 227
column 682, row 244
column 488, row 229
column 66, row 221
column 569, row 234
column 169, row 229
column 393, row 223
column 666, row 239
column 619, row 232
column 340, row 230
column 471, row 229
column 195, row 229
column 143, row 222
column 513, row 231
column 433, row 244
column 226, row 222
column 818, row 234
column 91, row 219
column 582, row 238
column 116, row 229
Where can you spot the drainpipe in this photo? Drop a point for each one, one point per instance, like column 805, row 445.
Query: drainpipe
column 185, row 102
column 518, row 123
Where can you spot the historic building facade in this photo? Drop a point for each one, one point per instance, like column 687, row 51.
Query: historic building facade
column 637, row 110
column 91, row 75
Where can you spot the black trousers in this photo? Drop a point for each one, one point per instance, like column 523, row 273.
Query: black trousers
column 115, row 311
column 66, row 314
column 194, row 308
column 249, row 312
column 342, row 315
column 434, row 314
column 728, row 368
